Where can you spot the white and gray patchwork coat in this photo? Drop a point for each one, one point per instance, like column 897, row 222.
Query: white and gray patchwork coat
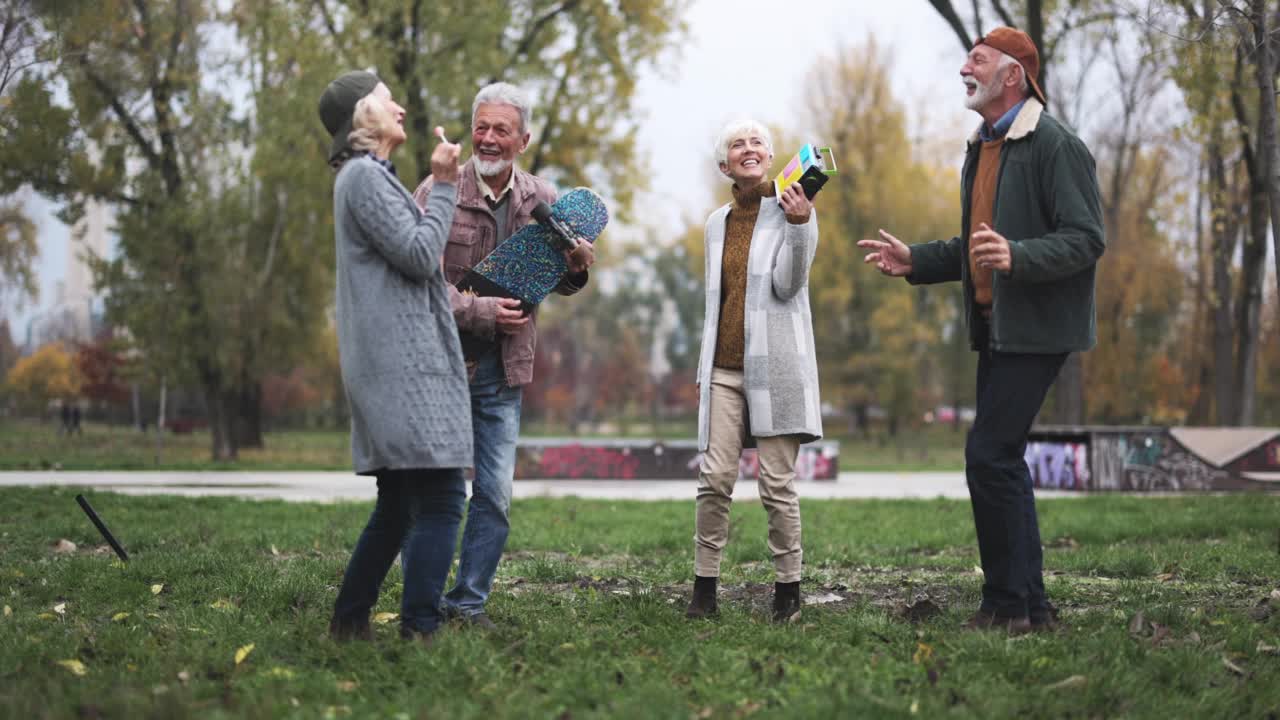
column 780, row 370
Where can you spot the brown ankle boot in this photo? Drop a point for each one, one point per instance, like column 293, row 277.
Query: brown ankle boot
column 786, row 602
column 703, row 602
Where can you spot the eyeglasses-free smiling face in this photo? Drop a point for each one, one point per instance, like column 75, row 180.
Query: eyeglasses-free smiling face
column 984, row 75
column 497, row 138
column 747, row 161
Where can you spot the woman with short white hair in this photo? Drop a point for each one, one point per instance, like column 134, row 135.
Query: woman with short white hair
column 401, row 360
column 757, row 373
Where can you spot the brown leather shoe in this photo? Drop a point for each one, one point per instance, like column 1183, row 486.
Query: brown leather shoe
column 703, row 603
column 424, row 638
column 983, row 620
column 1045, row 620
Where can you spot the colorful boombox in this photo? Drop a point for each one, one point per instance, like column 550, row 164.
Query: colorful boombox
column 808, row 168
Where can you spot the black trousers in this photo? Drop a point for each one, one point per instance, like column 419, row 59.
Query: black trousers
column 1011, row 389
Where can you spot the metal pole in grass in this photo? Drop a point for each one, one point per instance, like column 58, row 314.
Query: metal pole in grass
column 102, row 527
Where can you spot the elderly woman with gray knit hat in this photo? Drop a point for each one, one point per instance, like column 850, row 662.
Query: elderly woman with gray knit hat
column 401, row 359
column 757, row 373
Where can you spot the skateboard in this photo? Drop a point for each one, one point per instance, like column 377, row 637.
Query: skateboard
column 530, row 264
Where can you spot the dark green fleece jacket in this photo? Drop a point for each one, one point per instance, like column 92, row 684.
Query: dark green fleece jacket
column 1048, row 206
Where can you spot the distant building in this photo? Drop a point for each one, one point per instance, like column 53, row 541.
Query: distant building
column 75, row 314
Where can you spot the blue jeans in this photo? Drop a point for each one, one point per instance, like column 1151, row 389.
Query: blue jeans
column 417, row 515
column 495, row 422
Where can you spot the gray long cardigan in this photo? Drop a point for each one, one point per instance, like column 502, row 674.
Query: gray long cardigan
column 401, row 360
column 780, row 371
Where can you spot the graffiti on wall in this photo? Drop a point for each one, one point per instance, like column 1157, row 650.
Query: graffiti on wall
column 576, row 462
column 1058, row 465
column 812, row 463
column 1140, row 462
column 651, row 461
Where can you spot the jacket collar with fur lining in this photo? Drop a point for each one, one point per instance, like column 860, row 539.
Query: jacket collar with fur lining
column 1023, row 125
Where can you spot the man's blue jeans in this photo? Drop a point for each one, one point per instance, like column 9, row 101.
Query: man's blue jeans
column 495, row 422
column 417, row 515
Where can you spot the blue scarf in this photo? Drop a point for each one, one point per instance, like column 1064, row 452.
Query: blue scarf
column 384, row 163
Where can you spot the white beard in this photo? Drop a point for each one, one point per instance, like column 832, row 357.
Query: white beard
column 490, row 168
column 983, row 94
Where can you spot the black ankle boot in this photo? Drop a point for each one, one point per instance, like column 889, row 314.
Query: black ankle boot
column 786, row 602
column 703, row 603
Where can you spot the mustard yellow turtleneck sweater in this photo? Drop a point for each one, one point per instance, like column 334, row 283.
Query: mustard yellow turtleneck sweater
column 739, row 226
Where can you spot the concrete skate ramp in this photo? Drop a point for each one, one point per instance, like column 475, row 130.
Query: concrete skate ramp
column 1219, row 446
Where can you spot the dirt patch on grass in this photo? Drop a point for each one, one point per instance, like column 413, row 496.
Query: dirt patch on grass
column 909, row 594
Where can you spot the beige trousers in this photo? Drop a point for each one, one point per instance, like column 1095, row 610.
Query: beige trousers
column 719, row 472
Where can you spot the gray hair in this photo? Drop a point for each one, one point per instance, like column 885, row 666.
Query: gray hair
column 736, row 129
column 504, row 94
column 1005, row 61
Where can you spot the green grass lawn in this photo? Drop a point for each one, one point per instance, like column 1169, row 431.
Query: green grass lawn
column 1171, row 607
column 31, row 445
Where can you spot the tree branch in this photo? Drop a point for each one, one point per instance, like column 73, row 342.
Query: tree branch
column 64, row 188
column 948, row 14
column 1242, row 117
column 536, row 164
column 341, row 47
column 126, row 118
column 282, row 209
column 531, row 34
column 1005, row 17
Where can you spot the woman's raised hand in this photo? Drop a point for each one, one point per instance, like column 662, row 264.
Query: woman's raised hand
column 444, row 159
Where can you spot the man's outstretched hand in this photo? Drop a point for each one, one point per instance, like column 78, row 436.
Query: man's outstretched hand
column 890, row 255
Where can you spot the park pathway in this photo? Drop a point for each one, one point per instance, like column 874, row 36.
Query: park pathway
column 336, row 486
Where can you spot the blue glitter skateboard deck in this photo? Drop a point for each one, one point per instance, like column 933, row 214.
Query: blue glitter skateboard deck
column 530, row 264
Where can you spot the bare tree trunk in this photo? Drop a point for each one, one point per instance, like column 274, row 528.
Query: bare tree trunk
column 1068, row 392
column 1198, row 364
column 1268, row 146
column 248, row 404
column 1223, row 229
column 220, row 411
column 1249, row 303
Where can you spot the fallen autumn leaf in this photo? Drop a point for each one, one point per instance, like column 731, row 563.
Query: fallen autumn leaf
column 1226, row 662
column 1071, row 683
column 76, row 667
column 243, row 653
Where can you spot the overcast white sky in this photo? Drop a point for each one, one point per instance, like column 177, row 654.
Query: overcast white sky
column 742, row 57
column 750, row 57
